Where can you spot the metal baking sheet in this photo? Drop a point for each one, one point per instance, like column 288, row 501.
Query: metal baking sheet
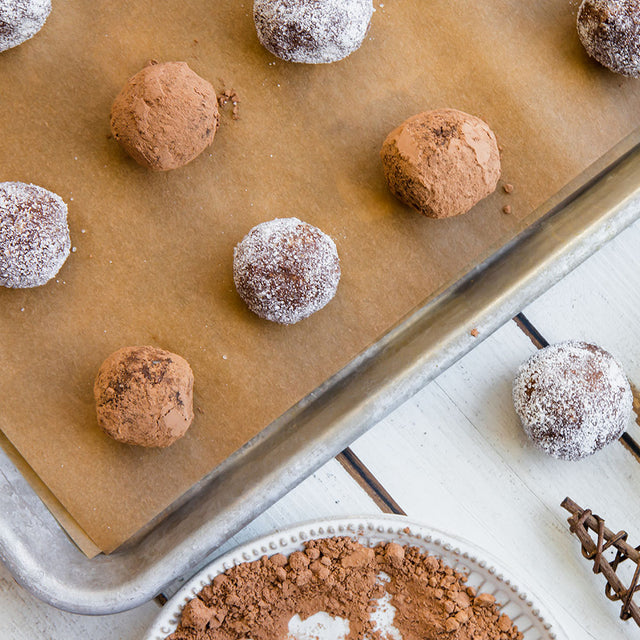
column 154, row 264
column 574, row 224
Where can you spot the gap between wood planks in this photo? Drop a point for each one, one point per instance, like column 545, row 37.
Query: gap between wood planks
column 540, row 342
column 368, row 482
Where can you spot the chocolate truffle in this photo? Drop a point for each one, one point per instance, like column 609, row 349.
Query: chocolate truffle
column 286, row 269
column 312, row 31
column 610, row 32
column 144, row 396
column 34, row 236
column 165, row 115
column 441, row 162
column 572, row 398
column 21, row 20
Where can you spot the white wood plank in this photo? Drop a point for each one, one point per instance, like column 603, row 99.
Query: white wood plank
column 330, row 491
column 23, row 617
column 456, row 458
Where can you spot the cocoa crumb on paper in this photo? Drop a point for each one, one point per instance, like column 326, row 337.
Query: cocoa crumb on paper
column 506, row 209
column 230, row 96
column 475, row 333
column 341, row 577
column 508, row 188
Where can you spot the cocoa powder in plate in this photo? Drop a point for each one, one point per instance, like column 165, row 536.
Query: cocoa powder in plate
column 341, row 577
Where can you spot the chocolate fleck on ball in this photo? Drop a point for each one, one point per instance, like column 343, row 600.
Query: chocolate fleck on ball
column 312, row 31
column 573, row 399
column 441, row 162
column 286, row 269
column 165, row 116
column 144, row 396
column 20, row 20
column 34, row 236
column 610, row 32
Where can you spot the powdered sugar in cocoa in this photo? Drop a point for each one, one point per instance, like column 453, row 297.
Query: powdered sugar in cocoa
column 341, row 577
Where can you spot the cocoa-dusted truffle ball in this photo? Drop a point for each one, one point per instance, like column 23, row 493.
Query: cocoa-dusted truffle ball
column 572, row 398
column 610, row 32
column 286, row 269
column 312, row 31
column 165, row 115
column 21, row 20
column 441, row 162
column 34, row 236
column 144, row 396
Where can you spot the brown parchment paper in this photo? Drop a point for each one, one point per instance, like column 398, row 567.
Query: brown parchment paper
column 153, row 259
column 64, row 518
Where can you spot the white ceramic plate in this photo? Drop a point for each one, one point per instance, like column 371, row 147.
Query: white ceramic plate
column 484, row 574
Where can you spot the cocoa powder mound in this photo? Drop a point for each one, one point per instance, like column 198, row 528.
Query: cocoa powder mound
column 341, row 577
column 432, row 600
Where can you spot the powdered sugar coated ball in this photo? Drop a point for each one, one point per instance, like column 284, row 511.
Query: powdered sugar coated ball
column 21, row 20
column 312, row 31
column 286, row 269
column 610, row 32
column 572, row 398
column 34, row 236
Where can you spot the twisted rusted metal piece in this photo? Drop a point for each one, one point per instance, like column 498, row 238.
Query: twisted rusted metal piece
column 583, row 520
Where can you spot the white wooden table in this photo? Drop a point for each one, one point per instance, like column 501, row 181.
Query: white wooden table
column 455, row 458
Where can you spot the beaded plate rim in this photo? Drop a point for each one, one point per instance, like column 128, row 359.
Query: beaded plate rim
column 386, row 529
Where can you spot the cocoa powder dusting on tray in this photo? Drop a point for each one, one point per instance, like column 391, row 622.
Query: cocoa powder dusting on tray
column 341, row 577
